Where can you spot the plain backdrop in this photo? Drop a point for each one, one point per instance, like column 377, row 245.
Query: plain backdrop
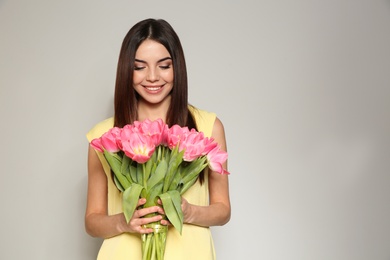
column 302, row 87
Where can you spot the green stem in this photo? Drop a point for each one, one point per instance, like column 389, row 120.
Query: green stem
column 153, row 251
column 153, row 244
column 146, row 247
column 144, row 176
column 158, row 246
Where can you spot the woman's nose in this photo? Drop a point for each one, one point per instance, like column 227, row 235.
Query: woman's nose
column 152, row 75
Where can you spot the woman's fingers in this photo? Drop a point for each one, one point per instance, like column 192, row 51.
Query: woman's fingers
column 140, row 217
column 145, row 211
column 141, row 202
column 165, row 222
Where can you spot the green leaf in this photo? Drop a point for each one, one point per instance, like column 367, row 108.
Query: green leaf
column 185, row 186
column 174, row 214
column 118, row 184
column 158, row 175
column 140, row 173
column 125, row 169
column 174, row 162
column 115, row 163
column 176, row 199
column 152, row 194
column 175, row 181
column 133, row 173
column 125, row 164
column 130, row 200
column 148, row 166
column 193, row 169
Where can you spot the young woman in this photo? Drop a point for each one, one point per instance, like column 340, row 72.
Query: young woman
column 151, row 83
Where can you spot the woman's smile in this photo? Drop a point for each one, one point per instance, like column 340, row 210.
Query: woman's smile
column 154, row 89
column 153, row 72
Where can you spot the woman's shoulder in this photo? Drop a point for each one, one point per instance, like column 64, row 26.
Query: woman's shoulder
column 201, row 113
column 100, row 128
column 204, row 119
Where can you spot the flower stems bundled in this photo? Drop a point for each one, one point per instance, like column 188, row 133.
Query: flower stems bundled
column 153, row 161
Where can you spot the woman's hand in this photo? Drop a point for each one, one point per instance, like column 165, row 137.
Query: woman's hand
column 187, row 209
column 165, row 221
column 138, row 220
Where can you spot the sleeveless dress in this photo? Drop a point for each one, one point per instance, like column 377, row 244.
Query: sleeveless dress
column 195, row 242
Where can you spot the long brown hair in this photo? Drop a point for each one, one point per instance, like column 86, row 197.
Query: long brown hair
column 125, row 101
column 125, row 98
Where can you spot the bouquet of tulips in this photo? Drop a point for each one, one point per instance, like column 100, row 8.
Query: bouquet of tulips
column 153, row 161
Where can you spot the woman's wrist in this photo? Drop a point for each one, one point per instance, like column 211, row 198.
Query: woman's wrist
column 189, row 213
column 121, row 225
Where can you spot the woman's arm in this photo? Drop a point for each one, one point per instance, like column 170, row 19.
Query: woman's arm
column 97, row 221
column 218, row 212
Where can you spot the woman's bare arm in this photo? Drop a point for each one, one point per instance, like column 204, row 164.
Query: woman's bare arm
column 218, row 212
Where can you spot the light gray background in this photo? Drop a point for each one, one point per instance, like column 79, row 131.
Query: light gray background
column 301, row 86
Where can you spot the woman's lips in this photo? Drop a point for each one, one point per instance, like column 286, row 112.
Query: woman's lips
column 153, row 88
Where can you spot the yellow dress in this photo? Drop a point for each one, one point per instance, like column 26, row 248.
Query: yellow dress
column 195, row 243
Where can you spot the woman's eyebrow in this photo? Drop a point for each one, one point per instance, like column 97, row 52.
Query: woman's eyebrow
column 160, row 60
column 164, row 59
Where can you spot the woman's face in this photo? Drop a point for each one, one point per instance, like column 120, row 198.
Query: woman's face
column 153, row 72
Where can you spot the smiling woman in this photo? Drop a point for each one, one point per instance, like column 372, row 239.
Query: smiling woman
column 153, row 76
column 151, row 84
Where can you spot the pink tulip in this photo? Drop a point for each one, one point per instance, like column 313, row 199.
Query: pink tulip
column 209, row 144
column 175, row 134
column 138, row 147
column 97, row 144
column 109, row 140
column 193, row 145
column 127, row 129
column 216, row 158
column 157, row 130
column 126, row 133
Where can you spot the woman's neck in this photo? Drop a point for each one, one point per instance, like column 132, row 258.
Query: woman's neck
column 153, row 111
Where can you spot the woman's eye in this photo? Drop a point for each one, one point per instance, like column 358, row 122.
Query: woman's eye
column 165, row 67
column 138, row 67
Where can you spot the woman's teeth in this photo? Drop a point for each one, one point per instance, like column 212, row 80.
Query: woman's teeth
column 153, row 88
